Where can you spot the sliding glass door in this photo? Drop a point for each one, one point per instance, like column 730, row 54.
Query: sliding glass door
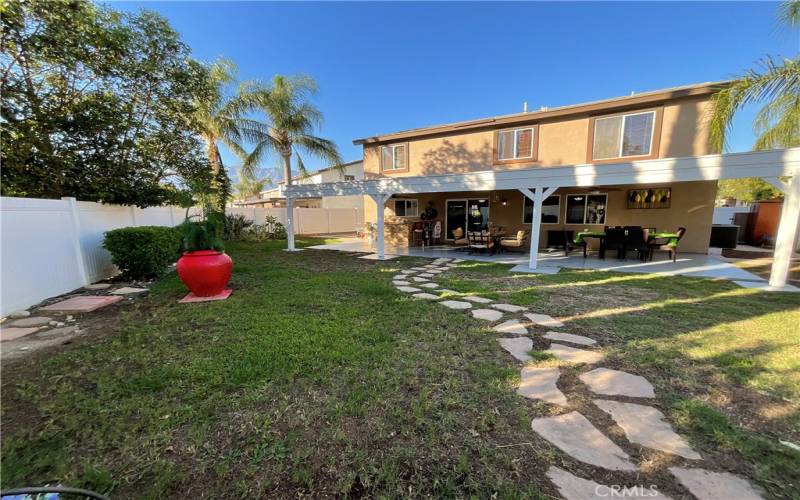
column 467, row 214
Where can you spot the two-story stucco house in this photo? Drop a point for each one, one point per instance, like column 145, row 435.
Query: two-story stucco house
column 638, row 160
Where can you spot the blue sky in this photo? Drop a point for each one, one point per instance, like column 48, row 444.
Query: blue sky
column 384, row 67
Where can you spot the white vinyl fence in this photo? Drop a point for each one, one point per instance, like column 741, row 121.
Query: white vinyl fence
column 50, row 247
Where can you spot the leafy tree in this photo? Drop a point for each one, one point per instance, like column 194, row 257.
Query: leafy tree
column 777, row 123
column 290, row 123
column 94, row 104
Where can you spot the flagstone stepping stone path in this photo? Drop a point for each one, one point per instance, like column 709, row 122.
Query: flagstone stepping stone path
column 487, row 314
column 127, row 290
column 645, row 425
column 617, row 383
column 479, row 300
column 456, row 304
column 707, row 485
column 544, row 320
column 568, row 337
column 32, row 321
column 512, row 326
column 12, row 333
column 98, row 286
column 518, row 347
column 573, row 487
column 509, row 308
column 540, row 383
column 573, row 355
column 572, row 432
column 83, row 303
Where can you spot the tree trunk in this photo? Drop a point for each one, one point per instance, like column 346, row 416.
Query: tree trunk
column 287, row 168
column 214, row 158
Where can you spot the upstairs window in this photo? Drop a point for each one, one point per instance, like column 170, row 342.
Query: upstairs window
column 394, row 157
column 516, row 144
column 623, row 136
column 406, row 208
column 348, row 178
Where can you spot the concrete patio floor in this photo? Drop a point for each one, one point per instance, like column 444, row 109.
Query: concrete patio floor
column 696, row 265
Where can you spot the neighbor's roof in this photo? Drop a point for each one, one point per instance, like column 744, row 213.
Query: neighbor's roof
column 635, row 99
column 333, row 167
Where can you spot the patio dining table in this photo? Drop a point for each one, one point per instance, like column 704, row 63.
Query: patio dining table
column 672, row 237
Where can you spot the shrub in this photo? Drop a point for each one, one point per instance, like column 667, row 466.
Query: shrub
column 235, row 226
column 202, row 235
column 143, row 252
column 270, row 230
column 275, row 228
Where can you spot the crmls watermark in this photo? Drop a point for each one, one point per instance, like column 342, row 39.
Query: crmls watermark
column 617, row 491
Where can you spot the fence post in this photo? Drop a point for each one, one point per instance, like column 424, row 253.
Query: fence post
column 255, row 218
column 72, row 204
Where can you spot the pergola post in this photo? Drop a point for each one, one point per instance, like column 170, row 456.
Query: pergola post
column 290, row 223
column 537, row 196
column 380, row 200
column 786, row 238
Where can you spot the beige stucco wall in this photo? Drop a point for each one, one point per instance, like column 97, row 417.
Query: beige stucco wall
column 691, row 207
column 561, row 142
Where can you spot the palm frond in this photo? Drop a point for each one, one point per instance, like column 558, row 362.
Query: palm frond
column 773, row 81
column 301, row 167
column 321, row 148
column 777, row 125
column 262, row 150
column 789, row 13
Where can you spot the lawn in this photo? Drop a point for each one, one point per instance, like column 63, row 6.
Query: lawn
column 318, row 378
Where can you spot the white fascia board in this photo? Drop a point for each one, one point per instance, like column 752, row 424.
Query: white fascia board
column 775, row 163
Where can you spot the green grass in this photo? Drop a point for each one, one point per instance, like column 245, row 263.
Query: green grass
column 318, row 378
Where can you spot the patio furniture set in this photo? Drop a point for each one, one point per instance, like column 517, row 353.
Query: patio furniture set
column 623, row 239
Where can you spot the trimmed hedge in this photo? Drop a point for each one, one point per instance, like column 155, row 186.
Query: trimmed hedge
column 143, row 252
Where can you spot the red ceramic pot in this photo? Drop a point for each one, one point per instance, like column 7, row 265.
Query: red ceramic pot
column 205, row 272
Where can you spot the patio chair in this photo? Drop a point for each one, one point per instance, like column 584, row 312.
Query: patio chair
column 418, row 234
column 518, row 242
column 662, row 245
column 569, row 244
column 636, row 239
column 614, row 240
column 480, row 241
column 458, row 237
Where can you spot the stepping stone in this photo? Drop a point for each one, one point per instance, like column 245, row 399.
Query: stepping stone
column 645, row 425
column 456, row 304
column 400, row 283
column 573, row 355
column 518, row 347
column 407, row 271
column 55, row 332
column 428, row 296
column 15, row 333
column 511, row 326
column 573, row 434
column 399, row 277
column 568, row 337
column 19, row 314
column 433, row 271
column 32, row 321
column 98, row 286
column 441, row 260
column 479, row 300
column 408, row 289
column 572, row 487
column 419, row 279
column 540, row 383
column 457, row 261
column 445, row 268
column 617, row 383
column 487, row 314
column 426, row 275
column 544, row 320
column 509, row 308
column 429, row 285
column 707, row 485
column 420, row 269
column 84, row 303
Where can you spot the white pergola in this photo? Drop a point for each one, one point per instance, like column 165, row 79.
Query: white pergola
column 540, row 182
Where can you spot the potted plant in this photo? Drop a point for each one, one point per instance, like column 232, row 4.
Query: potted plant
column 203, row 267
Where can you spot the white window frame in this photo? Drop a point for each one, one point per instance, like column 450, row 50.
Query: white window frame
column 394, row 157
column 407, row 202
column 525, row 201
column 585, row 208
column 349, row 178
column 514, row 147
column 622, row 134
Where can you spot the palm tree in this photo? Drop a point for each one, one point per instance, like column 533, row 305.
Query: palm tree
column 250, row 185
column 218, row 118
column 776, row 85
column 290, row 123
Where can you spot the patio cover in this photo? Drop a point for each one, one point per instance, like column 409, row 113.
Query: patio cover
column 539, row 182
